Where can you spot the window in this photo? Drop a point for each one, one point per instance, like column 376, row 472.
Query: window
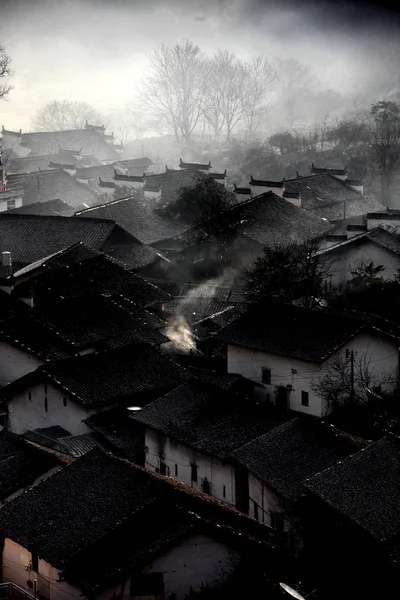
column 223, row 491
column 65, row 401
column 10, row 204
column 35, row 562
column 46, row 406
column 277, row 522
column 194, row 473
column 266, row 375
column 176, row 470
column 255, row 507
column 206, row 486
column 45, row 388
column 304, row 399
column 29, row 396
column 163, row 468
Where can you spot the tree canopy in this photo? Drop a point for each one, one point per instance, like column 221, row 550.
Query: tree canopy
column 60, row 115
column 5, row 73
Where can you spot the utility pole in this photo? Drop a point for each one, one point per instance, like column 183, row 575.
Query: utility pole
column 350, row 354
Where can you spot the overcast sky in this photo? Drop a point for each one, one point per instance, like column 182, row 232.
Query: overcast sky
column 95, row 50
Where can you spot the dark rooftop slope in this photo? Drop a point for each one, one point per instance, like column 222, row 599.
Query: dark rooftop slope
column 21, row 463
column 311, row 335
column 42, row 186
column 32, row 237
column 49, row 208
column 205, row 417
column 289, row 454
column 85, row 141
column 134, row 374
column 365, row 488
column 141, row 218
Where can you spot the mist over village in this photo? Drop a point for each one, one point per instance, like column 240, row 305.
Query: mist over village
column 199, row 300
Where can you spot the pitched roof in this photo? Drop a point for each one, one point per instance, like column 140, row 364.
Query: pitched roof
column 200, row 415
column 125, row 374
column 267, row 218
column 119, row 432
column 88, row 141
column 108, row 500
column 266, row 183
column 387, row 214
column 32, row 237
column 95, row 172
column 97, row 275
column 9, row 305
column 291, row 453
column 49, row 208
column 323, row 195
column 21, row 463
column 139, row 217
column 136, row 256
column 136, row 163
column 365, row 488
column 172, row 183
column 379, row 236
column 333, row 171
column 30, row 163
column 42, row 186
column 188, row 165
column 314, row 335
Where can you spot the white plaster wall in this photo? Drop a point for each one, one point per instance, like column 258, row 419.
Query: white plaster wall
column 137, row 185
column 344, row 261
column 14, row 363
column 265, row 498
column 220, row 476
column 249, row 363
column 16, row 560
column 382, row 353
column 26, row 414
column 3, row 203
column 199, row 560
column 261, row 189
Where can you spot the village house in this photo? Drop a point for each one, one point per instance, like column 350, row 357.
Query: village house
column 195, row 166
column 88, row 142
column 66, row 392
column 353, row 520
column 10, row 195
column 377, row 246
column 191, row 432
column 42, row 186
column 51, row 208
column 29, row 238
column 102, row 527
column 288, row 363
column 279, row 462
column 23, row 465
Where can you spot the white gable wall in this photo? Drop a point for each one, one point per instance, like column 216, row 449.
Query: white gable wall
column 344, row 261
column 179, row 458
column 27, row 410
column 382, row 352
column 14, row 363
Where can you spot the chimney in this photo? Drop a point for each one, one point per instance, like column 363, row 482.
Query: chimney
column 6, row 263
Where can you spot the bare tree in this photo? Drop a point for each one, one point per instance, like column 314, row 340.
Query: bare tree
column 61, row 115
column 224, row 92
column 292, row 76
column 175, row 87
column 5, row 72
column 386, row 143
column 345, row 382
column 260, row 78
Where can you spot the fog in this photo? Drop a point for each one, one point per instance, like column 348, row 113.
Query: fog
column 95, row 50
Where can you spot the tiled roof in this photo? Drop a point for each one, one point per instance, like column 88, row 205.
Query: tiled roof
column 388, row 215
column 9, row 305
column 195, row 308
column 119, row 432
column 34, row 163
column 265, row 183
column 115, row 517
column 41, row 186
column 21, row 463
column 98, row 275
column 291, row 453
column 62, row 441
column 267, row 218
column 323, row 195
column 365, row 488
column 99, row 171
column 88, row 141
column 122, row 177
column 333, row 171
column 136, row 163
column 201, row 416
column 32, row 237
column 173, row 182
column 381, row 237
column 136, row 256
column 187, row 165
column 139, row 217
column 128, row 375
column 218, row 175
column 312, row 335
column 50, row 208
column 66, row 256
